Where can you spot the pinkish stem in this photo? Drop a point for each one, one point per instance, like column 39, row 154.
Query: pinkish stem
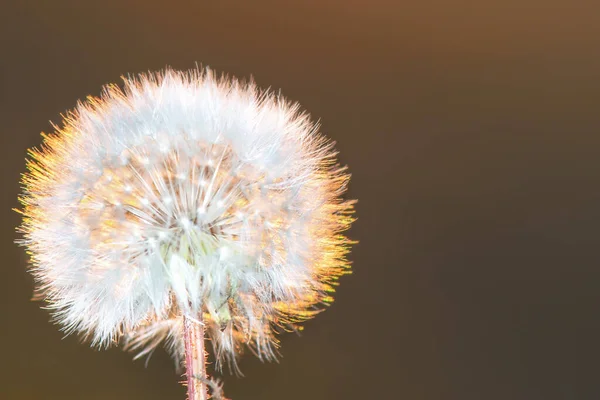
column 195, row 365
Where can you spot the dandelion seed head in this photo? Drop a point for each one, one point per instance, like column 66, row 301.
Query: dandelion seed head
column 184, row 195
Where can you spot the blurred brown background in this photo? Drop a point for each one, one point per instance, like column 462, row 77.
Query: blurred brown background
column 472, row 131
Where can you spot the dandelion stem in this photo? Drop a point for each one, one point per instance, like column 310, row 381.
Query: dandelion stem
column 195, row 358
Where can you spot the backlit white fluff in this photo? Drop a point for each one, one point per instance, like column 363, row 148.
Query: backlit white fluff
column 189, row 195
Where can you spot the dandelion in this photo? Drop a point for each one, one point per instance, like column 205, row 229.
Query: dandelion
column 182, row 207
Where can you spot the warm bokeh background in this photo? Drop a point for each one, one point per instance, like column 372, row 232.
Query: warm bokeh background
column 472, row 131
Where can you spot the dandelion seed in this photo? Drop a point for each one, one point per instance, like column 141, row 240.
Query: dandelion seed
column 182, row 207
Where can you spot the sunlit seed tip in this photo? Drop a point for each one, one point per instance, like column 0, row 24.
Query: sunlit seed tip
column 185, row 222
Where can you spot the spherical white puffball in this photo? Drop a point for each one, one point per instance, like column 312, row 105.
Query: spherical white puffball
column 185, row 195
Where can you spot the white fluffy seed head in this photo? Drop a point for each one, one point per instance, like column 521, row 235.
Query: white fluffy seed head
column 185, row 195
